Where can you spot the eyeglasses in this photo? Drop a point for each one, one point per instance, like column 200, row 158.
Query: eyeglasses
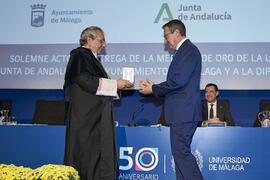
column 166, row 35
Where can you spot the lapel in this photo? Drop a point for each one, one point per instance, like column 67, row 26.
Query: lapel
column 219, row 109
column 98, row 63
column 205, row 109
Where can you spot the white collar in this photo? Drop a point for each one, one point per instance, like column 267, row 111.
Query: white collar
column 95, row 54
column 214, row 103
column 180, row 43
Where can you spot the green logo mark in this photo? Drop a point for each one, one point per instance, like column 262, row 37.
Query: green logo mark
column 164, row 9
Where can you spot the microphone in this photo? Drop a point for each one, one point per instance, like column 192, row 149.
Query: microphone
column 135, row 114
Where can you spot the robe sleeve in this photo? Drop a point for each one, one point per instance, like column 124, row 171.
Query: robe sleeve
column 107, row 87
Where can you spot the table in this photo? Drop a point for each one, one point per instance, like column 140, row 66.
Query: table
column 144, row 152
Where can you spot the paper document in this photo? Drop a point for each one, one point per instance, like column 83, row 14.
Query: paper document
column 128, row 74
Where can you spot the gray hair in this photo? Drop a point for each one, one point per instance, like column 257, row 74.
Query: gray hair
column 89, row 32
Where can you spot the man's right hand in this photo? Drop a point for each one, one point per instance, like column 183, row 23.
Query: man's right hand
column 122, row 84
column 213, row 120
column 146, row 87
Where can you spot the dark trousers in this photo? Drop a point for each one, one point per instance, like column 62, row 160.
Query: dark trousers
column 186, row 167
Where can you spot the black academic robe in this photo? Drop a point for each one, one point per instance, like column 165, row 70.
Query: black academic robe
column 90, row 138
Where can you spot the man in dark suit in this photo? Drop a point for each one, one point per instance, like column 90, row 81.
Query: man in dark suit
column 214, row 110
column 181, row 90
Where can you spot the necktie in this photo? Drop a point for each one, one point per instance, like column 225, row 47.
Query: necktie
column 211, row 111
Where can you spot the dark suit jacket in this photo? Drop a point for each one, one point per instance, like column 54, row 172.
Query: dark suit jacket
column 223, row 111
column 182, row 87
column 6, row 104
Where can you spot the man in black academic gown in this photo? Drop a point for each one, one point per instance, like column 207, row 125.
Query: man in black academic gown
column 90, row 138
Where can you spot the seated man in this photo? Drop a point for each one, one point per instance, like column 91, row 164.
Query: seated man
column 214, row 110
column 264, row 106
